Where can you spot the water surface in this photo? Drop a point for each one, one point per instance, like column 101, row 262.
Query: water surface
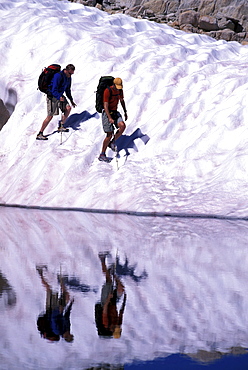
column 174, row 289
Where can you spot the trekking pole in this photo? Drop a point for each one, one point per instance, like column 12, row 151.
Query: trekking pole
column 60, row 124
column 114, row 273
column 60, row 278
column 116, row 152
column 117, row 164
column 116, row 260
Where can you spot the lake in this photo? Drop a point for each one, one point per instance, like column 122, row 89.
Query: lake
column 110, row 291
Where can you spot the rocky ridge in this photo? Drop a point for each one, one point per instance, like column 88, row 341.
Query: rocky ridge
column 220, row 19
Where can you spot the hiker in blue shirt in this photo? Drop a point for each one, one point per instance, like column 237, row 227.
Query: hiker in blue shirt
column 55, row 321
column 60, row 84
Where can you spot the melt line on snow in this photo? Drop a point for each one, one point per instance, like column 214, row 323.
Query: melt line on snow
column 126, row 212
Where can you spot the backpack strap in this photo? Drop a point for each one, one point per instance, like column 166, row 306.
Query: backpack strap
column 110, row 91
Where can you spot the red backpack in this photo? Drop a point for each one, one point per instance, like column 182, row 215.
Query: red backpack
column 46, row 77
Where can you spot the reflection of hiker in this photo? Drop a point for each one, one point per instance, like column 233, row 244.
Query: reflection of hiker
column 111, row 117
column 129, row 270
column 61, row 83
column 56, row 320
column 109, row 313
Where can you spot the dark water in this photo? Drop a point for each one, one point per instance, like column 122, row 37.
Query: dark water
column 94, row 291
column 181, row 362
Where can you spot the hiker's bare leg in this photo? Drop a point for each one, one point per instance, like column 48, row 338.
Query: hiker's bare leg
column 45, row 123
column 121, row 129
column 105, row 270
column 66, row 114
column 44, row 282
column 119, row 286
column 106, row 141
column 64, row 291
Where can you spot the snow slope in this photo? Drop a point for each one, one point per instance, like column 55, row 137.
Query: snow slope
column 187, row 93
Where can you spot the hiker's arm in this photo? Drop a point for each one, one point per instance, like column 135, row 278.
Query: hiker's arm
column 67, row 309
column 55, row 85
column 69, row 96
column 105, row 320
column 122, row 310
column 124, row 107
column 106, row 108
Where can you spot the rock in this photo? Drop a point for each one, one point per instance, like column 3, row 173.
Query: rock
column 208, row 23
column 240, row 37
column 155, row 6
column 148, row 13
column 134, row 12
column 188, row 17
column 174, row 24
column 172, row 6
column 129, row 3
column 187, row 28
column 171, row 17
column 226, row 35
column 236, row 9
column 98, row 6
column 211, row 34
column 225, row 23
column 206, row 7
column 189, row 5
column 4, row 114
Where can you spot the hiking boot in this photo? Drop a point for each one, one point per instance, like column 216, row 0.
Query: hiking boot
column 40, row 136
column 102, row 157
column 103, row 255
column 112, row 146
column 61, row 128
column 41, row 268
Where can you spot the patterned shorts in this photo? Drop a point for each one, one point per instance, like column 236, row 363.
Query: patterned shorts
column 54, row 105
column 107, row 126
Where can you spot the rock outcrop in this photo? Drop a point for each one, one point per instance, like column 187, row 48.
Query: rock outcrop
column 220, row 19
column 4, row 114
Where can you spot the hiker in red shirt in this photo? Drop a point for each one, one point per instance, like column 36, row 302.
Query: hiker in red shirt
column 111, row 118
column 109, row 312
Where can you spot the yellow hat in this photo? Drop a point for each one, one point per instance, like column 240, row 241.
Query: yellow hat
column 118, row 83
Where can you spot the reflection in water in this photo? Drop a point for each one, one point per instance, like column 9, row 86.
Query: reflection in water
column 127, row 270
column 55, row 322
column 7, row 293
column 185, row 282
column 74, row 284
column 207, row 357
column 109, row 312
column 107, row 367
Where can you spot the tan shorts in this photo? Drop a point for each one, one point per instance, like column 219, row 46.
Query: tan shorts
column 54, row 105
column 53, row 300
